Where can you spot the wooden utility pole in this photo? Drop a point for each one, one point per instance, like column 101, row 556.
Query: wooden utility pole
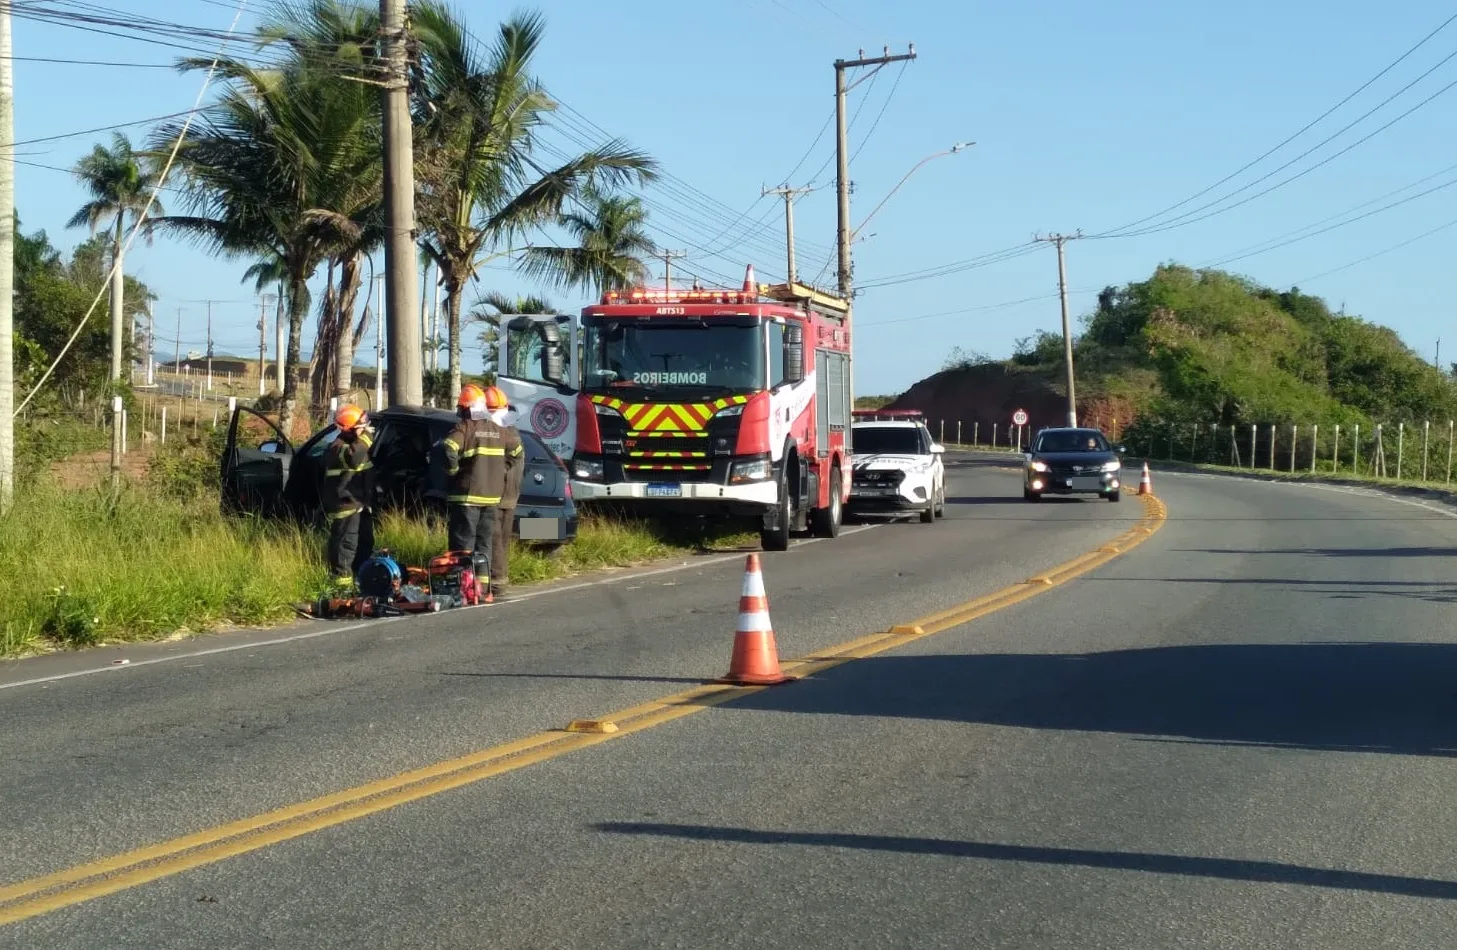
column 788, row 194
column 209, row 346
column 7, row 263
column 262, row 343
column 1060, row 240
column 668, row 257
column 151, row 346
column 406, row 379
column 842, row 156
column 176, row 341
column 379, row 343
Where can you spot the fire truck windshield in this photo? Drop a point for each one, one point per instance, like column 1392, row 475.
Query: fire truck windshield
column 719, row 354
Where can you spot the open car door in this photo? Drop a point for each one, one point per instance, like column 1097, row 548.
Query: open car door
column 255, row 465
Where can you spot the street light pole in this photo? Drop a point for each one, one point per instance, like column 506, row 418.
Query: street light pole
column 958, row 147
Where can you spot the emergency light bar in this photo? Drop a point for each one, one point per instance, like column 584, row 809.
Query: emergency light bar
column 678, row 296
column 749, row 293
column 889, row 415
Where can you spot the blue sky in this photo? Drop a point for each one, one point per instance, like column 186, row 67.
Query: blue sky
column 1086, row 116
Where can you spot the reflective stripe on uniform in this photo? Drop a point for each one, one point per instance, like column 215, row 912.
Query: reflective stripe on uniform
column 332, row 472
column 517, row 451
column 343, row 513
column 481, row 501
column 495, row 450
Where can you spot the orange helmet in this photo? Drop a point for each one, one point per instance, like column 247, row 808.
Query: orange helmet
column 350, row 417
column 471, row 397
column 495, row 398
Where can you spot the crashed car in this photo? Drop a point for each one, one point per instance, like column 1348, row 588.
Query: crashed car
column 263, row 474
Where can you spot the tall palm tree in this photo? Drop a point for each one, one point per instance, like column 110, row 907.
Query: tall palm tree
column 120, row 182
column 276, row 166
column 611, row 244
column 482, row 186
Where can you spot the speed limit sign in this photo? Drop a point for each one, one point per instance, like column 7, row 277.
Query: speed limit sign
column 1019, row 418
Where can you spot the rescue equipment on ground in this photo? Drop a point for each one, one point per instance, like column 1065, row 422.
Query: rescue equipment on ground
column 382, row 588
column 453, row 579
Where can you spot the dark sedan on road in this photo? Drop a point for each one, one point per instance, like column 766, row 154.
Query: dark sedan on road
column 1073, row 462
column 262, row 473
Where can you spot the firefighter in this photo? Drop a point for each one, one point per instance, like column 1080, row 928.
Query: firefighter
column 348, row 483
column 504, row 417
column 478, row 454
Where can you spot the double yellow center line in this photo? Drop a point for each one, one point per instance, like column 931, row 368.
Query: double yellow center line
column 84, row 882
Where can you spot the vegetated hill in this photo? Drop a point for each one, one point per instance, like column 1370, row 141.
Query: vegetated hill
column 1197, row 346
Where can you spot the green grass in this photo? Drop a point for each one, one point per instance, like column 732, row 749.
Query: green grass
column 86, row 566
column 89, row 567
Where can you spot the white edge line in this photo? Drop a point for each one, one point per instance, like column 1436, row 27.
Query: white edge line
column 1445, row 512
column 379, row 621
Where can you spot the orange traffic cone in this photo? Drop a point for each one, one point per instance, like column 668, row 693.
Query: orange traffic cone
column 1145, row 484
column 755, row 660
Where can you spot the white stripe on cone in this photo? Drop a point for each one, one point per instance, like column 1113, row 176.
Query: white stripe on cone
column 753, row 584
column 754, row 622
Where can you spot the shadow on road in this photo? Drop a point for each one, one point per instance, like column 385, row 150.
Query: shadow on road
column 1395, row 698
column 1437, row 592
column 1267, row 872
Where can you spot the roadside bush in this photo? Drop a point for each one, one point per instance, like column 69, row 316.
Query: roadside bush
column 188, row 469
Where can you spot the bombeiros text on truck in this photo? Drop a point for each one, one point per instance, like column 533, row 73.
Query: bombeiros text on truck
column 695, row 402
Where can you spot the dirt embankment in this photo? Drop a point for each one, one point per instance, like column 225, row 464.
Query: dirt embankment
column 980, row 397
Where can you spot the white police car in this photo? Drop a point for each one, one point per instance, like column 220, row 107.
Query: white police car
column 896, row 465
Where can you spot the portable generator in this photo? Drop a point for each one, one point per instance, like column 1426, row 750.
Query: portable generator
column 453, row 579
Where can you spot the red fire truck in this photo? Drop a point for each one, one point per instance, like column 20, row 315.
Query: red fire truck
column 695, row 402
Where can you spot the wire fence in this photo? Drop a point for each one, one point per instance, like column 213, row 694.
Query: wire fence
column 1416, row 452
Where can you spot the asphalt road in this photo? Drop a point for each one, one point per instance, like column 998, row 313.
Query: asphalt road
column 1239, row 734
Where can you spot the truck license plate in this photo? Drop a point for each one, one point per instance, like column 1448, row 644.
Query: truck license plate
column 665, row 491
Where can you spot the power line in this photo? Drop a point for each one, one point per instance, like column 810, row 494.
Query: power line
column 881, row 114
column 1340, row 224
column 1307, row 127
column 90, row 62
column 1341, row 214
column 1381, row 253
column 102, row 128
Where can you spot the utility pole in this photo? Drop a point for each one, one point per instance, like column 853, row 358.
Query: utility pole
column 209, row 346
column 151, row 346
column 262, row 344
column 842, row 155
column 435, row 325
column 279, row 342
column 668, row 257
column 1437, row 358
column 379, row 343
column 1060, row 240
column 424, row 319
column 176, row 340
column 788, row 194
column 7, row 264
column 406, row 381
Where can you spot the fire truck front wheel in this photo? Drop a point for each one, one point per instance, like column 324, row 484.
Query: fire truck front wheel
column 826, row 521
column 776, row 538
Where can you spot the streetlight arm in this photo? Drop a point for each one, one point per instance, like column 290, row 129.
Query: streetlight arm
column 962, row 146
